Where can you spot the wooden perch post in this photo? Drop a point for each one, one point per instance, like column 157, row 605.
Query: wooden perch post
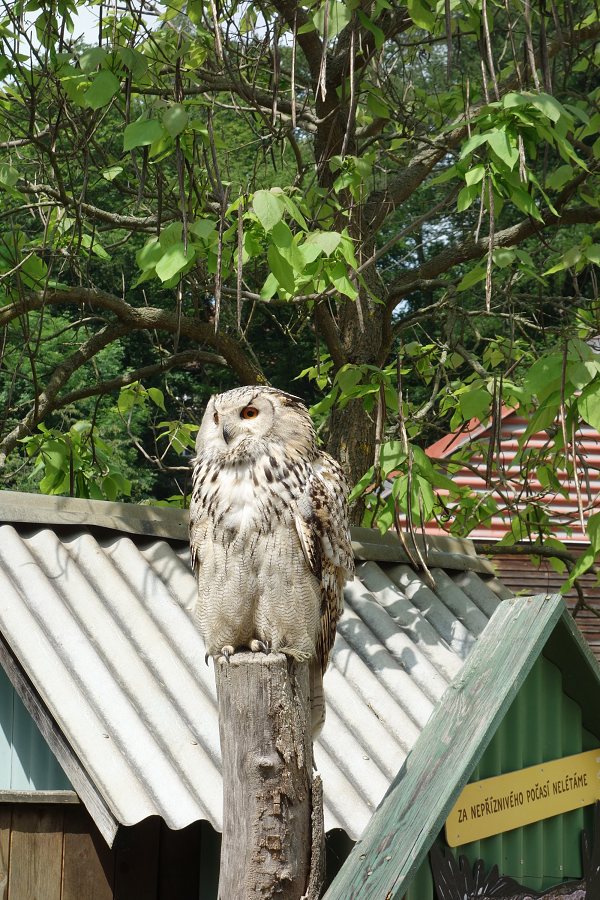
column 272, row 811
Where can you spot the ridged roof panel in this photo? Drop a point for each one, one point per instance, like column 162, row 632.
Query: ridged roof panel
column 100, row 622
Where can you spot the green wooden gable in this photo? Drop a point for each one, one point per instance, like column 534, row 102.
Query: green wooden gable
column 528, row 693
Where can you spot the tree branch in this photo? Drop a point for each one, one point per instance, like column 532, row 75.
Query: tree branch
column 46, row 402
column 471, row 249
column 131, row 223
column 146, row 318
column 114, row 384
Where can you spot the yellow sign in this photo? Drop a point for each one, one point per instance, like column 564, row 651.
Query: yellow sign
column 509, row 801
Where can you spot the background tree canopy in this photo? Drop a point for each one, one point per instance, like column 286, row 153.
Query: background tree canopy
column 397, row 200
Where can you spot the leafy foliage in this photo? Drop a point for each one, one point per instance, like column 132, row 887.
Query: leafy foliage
column 398, row 200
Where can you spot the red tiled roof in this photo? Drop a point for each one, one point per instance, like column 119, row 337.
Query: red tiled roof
column 518, row 571
column 564, row 509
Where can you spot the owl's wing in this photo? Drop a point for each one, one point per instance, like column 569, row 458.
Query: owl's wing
column 322, row 526
column 198, row 513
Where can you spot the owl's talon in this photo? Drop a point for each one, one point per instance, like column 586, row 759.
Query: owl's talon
column 227, row 651
column 260, row 646
column 206, row 658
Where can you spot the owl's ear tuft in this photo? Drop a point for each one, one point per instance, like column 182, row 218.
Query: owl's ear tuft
column 292, row 400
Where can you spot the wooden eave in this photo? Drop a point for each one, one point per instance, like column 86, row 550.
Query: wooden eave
column 443, row 551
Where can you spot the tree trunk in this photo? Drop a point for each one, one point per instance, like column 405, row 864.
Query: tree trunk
column 268, row 850
column 351, row 438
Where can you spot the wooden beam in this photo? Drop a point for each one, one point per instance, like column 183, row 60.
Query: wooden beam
column 58, row 743
column 38, row 797
column 441, row 551
column 396, row 841
column 265, row 729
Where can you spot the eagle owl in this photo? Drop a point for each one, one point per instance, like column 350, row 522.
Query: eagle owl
column 269, row 533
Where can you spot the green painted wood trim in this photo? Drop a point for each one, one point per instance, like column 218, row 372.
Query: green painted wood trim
column 417, row 804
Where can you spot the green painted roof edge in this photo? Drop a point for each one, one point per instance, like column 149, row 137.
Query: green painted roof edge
column 412, row 813
column 443, row 551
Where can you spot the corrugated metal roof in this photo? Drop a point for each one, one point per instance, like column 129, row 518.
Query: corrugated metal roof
column 100, row 622
column 564, row 508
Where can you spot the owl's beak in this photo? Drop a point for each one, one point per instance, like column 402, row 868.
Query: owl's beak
column 227, row 434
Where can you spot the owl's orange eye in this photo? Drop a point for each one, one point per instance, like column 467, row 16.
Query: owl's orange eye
column 249, row 412
column 216, row 418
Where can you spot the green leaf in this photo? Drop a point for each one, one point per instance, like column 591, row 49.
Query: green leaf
column 281, row 269
column 589, row 405
column 569, row 259
column 142, row 133
column 135, row 61
column 475, row 404
column 348, row 377
column 91, row 59
column 338, row 276
column 8, row 175
column 111, row 172
column 102, row 89
column 170, row 235
column 294, row 211
column 157, row 397
column 475, row 141
column 543, row 418
column 557, row 179
column 174, row 260
column 466, row 196
column 367, row 23
column 549, row 106
column 580, row 374
column 269, row 288
column 268, row 208
column 503, row 146
column 525, row 203
column 326, row 241
column 544, row 375
column 95, row 246
column 203, row 228
column 503, row 257
column 338, row 16
column 175, row 119
column 592, row 254
column 473, row 276
column 474, row 175
column 421, row 15
column 148, row 256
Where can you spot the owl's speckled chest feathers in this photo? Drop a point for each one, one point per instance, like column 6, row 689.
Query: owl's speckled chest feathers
column 243, row 493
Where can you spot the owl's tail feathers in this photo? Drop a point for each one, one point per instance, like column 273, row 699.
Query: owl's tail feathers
column 317, row 698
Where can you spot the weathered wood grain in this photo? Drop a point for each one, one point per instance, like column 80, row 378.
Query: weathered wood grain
column 264, row 723
column 87, row 861
column 417, row 804
column 5, row 826
column 38, row 797
column 36, row 853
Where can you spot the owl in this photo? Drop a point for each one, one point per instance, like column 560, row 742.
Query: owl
column 269, row 535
